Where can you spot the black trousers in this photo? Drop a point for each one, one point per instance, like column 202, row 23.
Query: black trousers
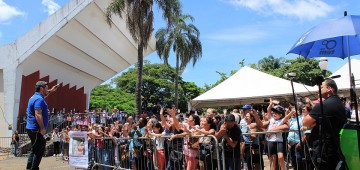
column 56, row 148
column 37, row 149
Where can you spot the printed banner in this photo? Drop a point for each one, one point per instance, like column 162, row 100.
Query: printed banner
column 78, row 149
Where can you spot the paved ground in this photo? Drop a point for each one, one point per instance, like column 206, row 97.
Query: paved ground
column 19, row 163
column 8, row 162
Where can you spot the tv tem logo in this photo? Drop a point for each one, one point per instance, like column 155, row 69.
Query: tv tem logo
column 329, row 47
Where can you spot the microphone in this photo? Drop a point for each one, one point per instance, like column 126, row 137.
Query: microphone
column 290, row 75
column 335, row 77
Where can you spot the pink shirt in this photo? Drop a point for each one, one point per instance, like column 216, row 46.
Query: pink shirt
column 186, row 149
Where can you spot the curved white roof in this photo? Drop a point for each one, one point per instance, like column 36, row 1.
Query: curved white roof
column 76, row 46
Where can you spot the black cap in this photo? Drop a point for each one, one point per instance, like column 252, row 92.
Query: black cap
column 230, row 118
column 278, row 109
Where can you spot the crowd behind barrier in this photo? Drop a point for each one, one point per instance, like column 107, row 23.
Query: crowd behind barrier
column 168, row 140
column 110, row 153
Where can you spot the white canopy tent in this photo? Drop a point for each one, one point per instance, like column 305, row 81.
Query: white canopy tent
column 343, row 82
column 249, row 86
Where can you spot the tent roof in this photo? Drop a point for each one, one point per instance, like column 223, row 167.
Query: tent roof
column 248, row 86
column 343, row 82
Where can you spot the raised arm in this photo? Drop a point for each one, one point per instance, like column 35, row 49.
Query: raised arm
column 176, row 122
column 258, row 122
column 288, row 116
column 163, row 120
column 269, row 107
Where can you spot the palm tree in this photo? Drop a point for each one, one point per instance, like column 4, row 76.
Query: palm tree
column 270, row 63
column 184, row 40
column 139, row 20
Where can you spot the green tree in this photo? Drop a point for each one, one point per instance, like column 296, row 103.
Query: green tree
column 139, row 21
column 189, row 91
column 223, row 77
column 183, row 39
column 158, row 85
column 270, row 63
column 306, row 70
column 107, row 97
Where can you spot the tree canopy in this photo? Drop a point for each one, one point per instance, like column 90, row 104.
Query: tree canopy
column 139, row 21
column 184, row 39
column 158, row 85
column 107, row 97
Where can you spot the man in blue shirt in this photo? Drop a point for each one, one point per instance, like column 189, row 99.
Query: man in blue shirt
column 36, row 124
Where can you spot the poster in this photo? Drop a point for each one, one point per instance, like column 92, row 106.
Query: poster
column 78, row 149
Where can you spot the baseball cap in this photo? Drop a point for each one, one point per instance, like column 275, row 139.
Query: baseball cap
column 247, row 106
column 278, row 109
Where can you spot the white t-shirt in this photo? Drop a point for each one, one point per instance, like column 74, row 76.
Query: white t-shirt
column 55, row 137
column 274, row 137
column 237, row 117
column 159, row 142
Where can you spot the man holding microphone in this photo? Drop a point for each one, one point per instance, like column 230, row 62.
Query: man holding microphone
column 37, row 121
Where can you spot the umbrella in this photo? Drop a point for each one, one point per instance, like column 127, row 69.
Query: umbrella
column 334, row 38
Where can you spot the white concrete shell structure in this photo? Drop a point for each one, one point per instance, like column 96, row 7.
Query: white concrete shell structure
column 74, row 46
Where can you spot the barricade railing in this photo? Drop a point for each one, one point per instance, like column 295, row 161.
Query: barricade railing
column 154, row 153
column 252, row 151
column 5, row 142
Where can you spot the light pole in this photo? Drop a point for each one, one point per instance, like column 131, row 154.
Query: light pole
column 323, row 63
column 291, row 76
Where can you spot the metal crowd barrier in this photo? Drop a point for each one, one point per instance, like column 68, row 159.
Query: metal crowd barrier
column 251, row 154
column 5, row 146
column 143, row 153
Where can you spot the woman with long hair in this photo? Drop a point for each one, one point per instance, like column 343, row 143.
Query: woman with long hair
column 206, row 145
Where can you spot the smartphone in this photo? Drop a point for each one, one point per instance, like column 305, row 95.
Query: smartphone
column 266, row 100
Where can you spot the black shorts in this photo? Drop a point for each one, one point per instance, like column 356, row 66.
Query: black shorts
column 252, row 154
column 275, row 147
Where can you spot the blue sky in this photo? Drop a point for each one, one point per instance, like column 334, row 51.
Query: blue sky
column 231, row 30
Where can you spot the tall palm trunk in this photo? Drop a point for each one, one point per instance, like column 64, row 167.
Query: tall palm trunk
column 177, row 82
column 139, row 77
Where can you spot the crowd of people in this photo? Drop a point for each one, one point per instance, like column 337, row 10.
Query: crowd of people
column 172, row 140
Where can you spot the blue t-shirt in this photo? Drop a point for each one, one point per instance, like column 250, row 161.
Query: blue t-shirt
column 293, row 137
column 134, row 142
column 36, row 102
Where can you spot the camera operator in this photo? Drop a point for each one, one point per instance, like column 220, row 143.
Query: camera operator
column 334, row 118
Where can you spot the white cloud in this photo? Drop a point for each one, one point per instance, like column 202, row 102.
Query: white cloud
column 7, row 12
column 51, row 6
column 302, row 9
column 243, row 34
